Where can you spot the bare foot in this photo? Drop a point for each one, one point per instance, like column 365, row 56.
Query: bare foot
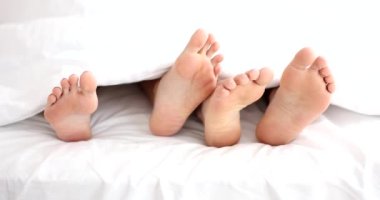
column 187, row 84
column 304, row 93
column 69, row 108
column 221, row 112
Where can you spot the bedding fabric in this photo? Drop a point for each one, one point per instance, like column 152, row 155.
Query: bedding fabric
column 127, row 41
column 336, row 157
column 43, row 41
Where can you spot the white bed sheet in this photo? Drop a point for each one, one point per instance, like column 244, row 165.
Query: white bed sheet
column 334, row 158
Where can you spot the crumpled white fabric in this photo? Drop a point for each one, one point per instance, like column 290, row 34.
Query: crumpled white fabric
column 336, row 157
column 125, row 41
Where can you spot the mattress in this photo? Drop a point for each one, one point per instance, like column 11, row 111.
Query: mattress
column 336, row 157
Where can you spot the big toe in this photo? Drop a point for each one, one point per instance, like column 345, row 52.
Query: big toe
column 88, row 82
column 304, row 58
column 265, row 76
column 197, row 41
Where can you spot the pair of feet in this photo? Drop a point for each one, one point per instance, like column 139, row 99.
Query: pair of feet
column 303, row 94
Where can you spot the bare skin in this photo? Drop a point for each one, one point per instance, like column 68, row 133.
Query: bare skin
column 70, row 106
column 221, row 112
column 304, row 93
column 185, row 86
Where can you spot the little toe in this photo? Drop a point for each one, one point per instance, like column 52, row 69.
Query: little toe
column 330, row 87
column 51, row 99
column 73, row 80
column 253, row 74
column 241, row 79
column 57, row 91
column 229, row 84
column 65, row 86
column 265, row 76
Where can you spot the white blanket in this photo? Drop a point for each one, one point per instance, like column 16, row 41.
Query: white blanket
column 334, row 158
column 124, row 42
column 43, row 41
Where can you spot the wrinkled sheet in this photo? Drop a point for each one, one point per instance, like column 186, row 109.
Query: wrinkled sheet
column 336, row 157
